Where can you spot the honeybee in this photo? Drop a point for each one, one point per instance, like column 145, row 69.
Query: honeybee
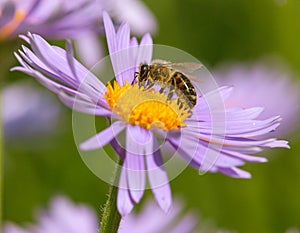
column 172, row 75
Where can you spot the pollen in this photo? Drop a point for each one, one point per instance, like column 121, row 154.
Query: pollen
column 146, row 107
column 9, row 28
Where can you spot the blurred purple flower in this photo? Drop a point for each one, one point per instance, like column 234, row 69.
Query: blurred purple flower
column 152, row 219
column 54, row 19
column 147, row 115
column 292, row 230
column 27, row 112
column 268, row 87
column 133, row 12
column 80, row 20
column 64, row 216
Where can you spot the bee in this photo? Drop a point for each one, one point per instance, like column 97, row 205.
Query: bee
column 172, row 75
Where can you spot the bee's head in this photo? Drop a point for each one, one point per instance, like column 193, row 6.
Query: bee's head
column 144, row 69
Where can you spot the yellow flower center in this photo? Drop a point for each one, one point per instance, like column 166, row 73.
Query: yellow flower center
column 9, row 28
column 146, row 108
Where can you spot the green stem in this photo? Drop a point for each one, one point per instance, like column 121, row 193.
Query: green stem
column 111, row 217
column 1, row 153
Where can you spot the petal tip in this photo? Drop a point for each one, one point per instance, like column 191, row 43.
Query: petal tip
column 166, row 204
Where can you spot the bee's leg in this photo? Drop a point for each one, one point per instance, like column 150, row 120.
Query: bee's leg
column 141, row 84
column 171, row 92
column 161, row 90
column 144, row 83
column 149, row 83
column 181, row 103
column 172, row 89
column 136, row 74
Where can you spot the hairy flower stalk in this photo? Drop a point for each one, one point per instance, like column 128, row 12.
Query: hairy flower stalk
column 145, row 115
column 111, row 218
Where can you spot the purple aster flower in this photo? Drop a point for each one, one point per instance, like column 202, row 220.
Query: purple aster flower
column 292, row 230
column 69, row 19
column 55, row 19
column 147, row 115
column 28, row 112
column 268, row 87
column 152, row 219
column 80, row 20
column 63, row 216
column 135, row 13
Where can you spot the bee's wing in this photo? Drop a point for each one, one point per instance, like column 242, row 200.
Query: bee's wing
column 185, row 67
column 189, row 69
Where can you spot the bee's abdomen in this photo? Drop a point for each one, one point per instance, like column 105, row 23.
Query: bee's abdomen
column 186, row 87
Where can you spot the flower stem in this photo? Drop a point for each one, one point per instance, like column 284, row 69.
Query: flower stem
column 1, row 153
column 111, row 218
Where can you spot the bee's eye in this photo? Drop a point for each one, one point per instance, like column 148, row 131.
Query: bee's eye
column 144, row 67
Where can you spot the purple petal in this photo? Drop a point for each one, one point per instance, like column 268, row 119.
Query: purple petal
column 55, row 59
column 133, row 43
column 211, row 101
column 250, row 90
column 186, row 224
column 110, row 33
column 249, row 129
column 136, row 138
column 72, row 77
column 83, row 106
column 145, row 49
column 79, row 76
column 84, row 76
column 89, row 49
column 133, row 52
column 51, row 85
column 118, row 148
column 136, row 14
column 277, row 143
column 243, row 114
column 61, row 90
column 50, row 57
column 123, row 37
column 104, row 137
column 61, row 216
column 241, row 156
column 121, row 59
column 124, row 202
column 202, row 156
column 70, row 58
column 136, row 175
column 151, row 216
column 12, row 228
column 185, row 147
column 234, row 172
column 158, row 178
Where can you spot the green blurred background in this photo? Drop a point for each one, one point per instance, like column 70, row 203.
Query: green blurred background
column 214, row 31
